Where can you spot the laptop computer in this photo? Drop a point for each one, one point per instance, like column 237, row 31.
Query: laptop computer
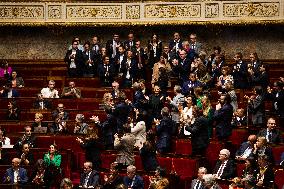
column 40, row 129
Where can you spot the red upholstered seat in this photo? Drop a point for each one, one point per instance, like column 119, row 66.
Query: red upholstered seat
column 186, row 168
column 240, row 168
column 138, row 163
column 166, row 163
column 279, row 175
column 277, row 151
column 183, row 147
column 238, row 136
column 107, row 159
column 212, row 152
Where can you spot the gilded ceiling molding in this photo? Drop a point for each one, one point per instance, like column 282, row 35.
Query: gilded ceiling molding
column 141, row 13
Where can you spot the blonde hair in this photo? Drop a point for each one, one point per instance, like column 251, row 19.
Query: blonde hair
column 38, row 115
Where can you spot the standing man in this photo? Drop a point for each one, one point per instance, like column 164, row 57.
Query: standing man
column 194, row 44
column 112, row 45
column 74, row 60
column 223, row 117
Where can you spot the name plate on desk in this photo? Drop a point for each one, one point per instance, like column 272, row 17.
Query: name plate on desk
column 7, row 146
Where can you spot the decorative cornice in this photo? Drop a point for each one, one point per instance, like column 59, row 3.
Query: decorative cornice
column 141, row 13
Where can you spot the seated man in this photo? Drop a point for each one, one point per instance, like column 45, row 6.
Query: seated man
column 246, row 149
column 132, row 180
column 199, row 183
column 16, row 174
column 272, row 135
column 71, row 91
column 225, row 167
column 60, row 116
column 89, row 178
column 239, row 118
column 41, row 103
column 8, row 91
column 50, row 91
column 27, row 138
column 38, row 121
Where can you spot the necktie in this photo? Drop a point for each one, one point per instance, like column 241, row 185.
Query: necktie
column 197, row 185
column 270, row 136
column 220, row 171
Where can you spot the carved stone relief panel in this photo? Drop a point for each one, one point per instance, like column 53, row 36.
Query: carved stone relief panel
column 172, row 10
column 132, row 11
column 261, row 9
column 54, row 11
column 21, row 11
column 211, row 10
column 94, row 11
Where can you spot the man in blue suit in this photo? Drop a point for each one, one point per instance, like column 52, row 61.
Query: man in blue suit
column 132, row 180
column 223, row 117
column 89, row 178
column 9, row 92
column 246, row 149
column 164, row 128
column 16, row 174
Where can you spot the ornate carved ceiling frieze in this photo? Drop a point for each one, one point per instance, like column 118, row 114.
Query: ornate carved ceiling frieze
column 125, row 13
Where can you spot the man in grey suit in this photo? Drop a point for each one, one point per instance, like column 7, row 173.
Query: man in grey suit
column 256, row 107
column 194, row 44
column 198, row 182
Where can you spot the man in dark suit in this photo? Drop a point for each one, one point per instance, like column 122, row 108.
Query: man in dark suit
column 132, row 180
column 271, row 134
column 240, row 72
column 189, row 86
column 106, row 72
column 108, row 127
column 120, row 62
column 255, row 63
column 21, row 173
column 130, row 71
column 199, row 132
column 277, row 97
column 27, row 138
column 175, row 44
column 165, row 128
column 95, row 46
column 129, row 44
column 198, row 183
column 89, row 55
column 181, row 67
column 121, row 111
column 89, row 178
column 75, row 60
column 41, row 103
column 223, row 117
column 8, row 91
column 140, row 56
column 246, row 148
column 225, row 167
column 112, row 46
